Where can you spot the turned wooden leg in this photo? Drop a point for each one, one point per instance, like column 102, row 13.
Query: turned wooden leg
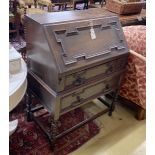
column 28, row 106
column 17, row 23
column 74, row 6
column 65, row 6
column 53, row 134
column 112, row 106
column 115, row 97
column 50, row 8
column 141, row 113
column 101, row 4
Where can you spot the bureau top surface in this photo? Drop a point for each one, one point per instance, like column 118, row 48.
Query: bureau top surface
column 56, row 17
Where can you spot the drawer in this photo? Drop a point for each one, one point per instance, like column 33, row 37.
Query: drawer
column 93, row 91
column 84, row 76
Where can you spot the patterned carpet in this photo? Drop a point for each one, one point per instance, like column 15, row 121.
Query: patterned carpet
column 30, row 140
column 15, row 43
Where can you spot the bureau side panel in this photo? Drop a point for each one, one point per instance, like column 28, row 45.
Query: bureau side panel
column 40, row 59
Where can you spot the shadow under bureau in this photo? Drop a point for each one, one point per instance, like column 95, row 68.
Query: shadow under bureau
column 73, row 57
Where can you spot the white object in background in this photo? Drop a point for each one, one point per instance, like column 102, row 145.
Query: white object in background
column 17, row 83
column 12, row 126
column 17, row 86
column 14, row 61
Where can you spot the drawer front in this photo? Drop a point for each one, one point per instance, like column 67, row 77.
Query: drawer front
column 84, row 76
column 82, row 95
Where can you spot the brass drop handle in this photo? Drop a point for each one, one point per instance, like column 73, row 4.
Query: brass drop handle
column 79, row 81
column 107, row 87
column 78, row 98
column 109, row 70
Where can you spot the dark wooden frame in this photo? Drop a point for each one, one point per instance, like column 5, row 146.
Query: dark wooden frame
column 52, row 135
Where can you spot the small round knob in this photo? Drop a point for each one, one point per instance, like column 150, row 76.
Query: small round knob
column 64, row 54
column 78, row 98
column 109, row 70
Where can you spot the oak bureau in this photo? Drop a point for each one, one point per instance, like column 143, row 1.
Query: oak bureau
column 73, row 57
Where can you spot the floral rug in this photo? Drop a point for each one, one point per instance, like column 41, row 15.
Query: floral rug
column 15, row 43
column 29, row 139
